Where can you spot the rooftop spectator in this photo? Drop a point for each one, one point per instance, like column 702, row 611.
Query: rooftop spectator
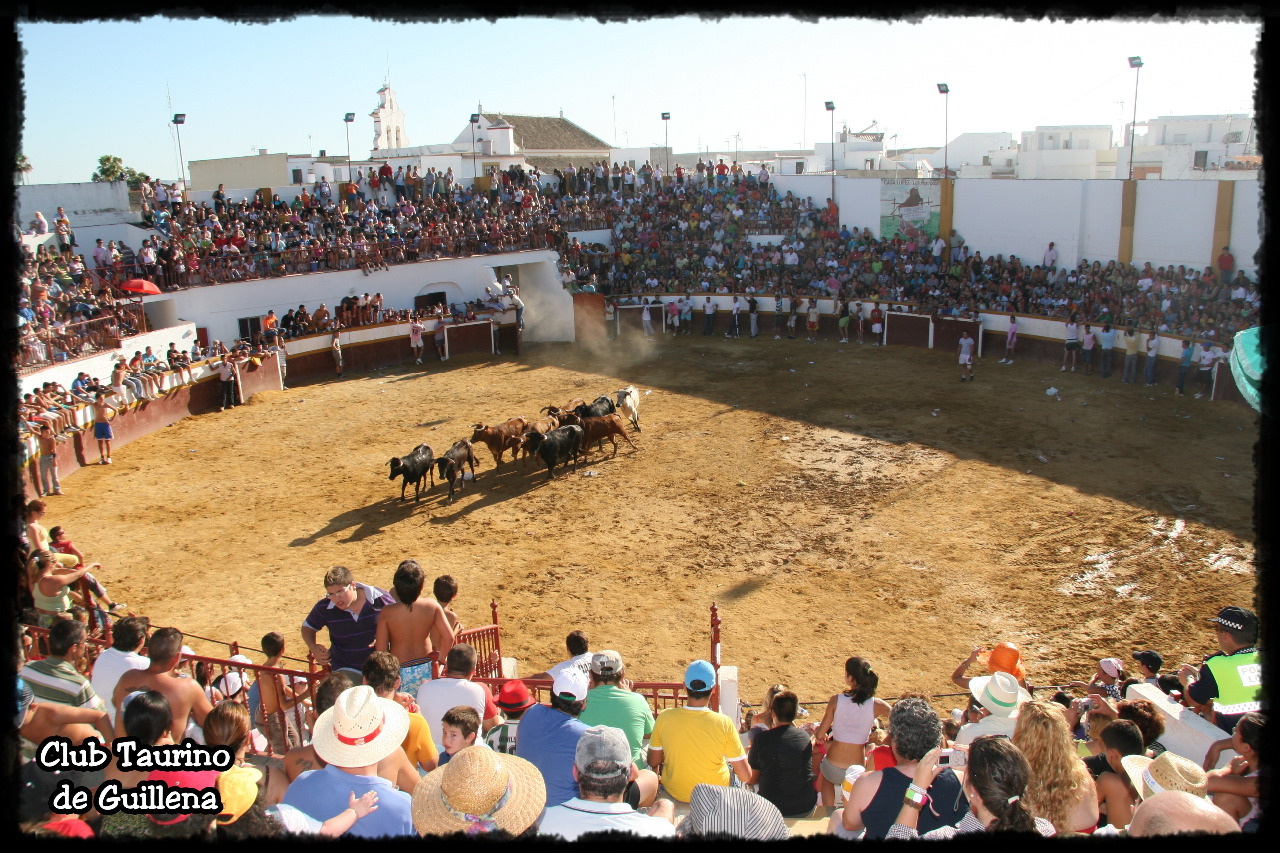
column 350, row 612
column 351, row 738
column 603, row 767
column 1061, row 790
column 478, row 792
column 874, row 803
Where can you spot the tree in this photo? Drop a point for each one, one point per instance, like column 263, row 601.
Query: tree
column 22, row 166
column 112, row 168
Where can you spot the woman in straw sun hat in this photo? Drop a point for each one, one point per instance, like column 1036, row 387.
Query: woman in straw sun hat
column 477, row 792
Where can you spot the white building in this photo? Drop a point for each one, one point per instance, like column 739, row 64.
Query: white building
column 388, row 122
column 967, row 149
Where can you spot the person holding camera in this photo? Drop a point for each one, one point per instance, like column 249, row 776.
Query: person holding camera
column 995, row 785
column 876, row 800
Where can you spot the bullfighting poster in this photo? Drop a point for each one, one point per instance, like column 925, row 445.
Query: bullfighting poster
column 910, row 208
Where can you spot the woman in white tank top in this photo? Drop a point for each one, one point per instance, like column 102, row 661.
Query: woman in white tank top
column 848, row 720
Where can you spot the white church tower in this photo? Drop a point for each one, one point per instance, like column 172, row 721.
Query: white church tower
column 388, row 122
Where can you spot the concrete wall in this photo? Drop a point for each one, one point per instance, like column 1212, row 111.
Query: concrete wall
column 1100, row 220
column 1246, row 227
column 1174, row 224
column 89, row 203
column 1021, row 217
column 257, row 170
column 218, row 308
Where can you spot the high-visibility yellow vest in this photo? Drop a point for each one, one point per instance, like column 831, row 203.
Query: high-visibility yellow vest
column 1239, row 679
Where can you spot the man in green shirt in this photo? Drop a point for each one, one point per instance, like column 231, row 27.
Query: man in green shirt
column 610, row 702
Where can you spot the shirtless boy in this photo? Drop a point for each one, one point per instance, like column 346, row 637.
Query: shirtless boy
column 413, row 627
column 102, row 427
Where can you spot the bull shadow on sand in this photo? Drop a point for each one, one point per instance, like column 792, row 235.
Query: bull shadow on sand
column 365, row 521
column 511, row 481
column 742, row 590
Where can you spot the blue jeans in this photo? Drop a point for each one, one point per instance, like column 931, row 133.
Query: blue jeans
column 1104, row 366
column 1130, row 373
column 1151, row 370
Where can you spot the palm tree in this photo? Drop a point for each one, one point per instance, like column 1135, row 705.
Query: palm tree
column 22, row 167
column 110, row 168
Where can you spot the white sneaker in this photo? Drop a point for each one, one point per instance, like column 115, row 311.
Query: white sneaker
column 419, row 361
column 1001, row 361
column 1010, row 361
column 1063, row 368
column 1073, row 368
column 777, row 337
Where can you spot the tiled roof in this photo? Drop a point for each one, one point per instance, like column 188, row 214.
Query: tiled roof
column 549, row 133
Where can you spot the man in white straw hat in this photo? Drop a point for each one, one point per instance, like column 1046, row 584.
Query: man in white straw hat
column 351, row 738
column 602, row 767
column 479, row 791
column 1000, row 694
column 1175, row 812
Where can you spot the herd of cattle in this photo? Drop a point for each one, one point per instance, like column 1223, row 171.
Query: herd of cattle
column 562, row 435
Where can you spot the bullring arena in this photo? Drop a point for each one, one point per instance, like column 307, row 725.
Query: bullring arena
column 830, row 499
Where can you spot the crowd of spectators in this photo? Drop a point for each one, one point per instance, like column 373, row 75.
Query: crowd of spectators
column 64, row 310
column 384, row 749
column 691, row 235
column 682, row 233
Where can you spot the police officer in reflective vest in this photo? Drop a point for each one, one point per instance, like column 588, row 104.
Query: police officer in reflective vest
column 1231, row 679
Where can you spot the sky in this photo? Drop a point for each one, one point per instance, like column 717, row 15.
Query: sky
column 750, row 83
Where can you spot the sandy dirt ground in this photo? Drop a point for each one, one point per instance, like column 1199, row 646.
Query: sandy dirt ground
column 833, row 500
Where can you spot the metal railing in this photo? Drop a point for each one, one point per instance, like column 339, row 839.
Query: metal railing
column 486, row 639
column 42, row 346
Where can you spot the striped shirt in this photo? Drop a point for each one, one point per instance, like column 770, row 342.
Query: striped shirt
column 56, row 680
column 502, row 737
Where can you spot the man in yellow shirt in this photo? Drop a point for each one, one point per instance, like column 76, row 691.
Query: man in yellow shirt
column 691, row 744
column 381, row 671
column 1130, row 341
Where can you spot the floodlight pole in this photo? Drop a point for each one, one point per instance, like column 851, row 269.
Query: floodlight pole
column 179, row 119
column 1135, row 62
column 346, row 120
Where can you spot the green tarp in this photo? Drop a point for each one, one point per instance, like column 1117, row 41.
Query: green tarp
column 1247, row 365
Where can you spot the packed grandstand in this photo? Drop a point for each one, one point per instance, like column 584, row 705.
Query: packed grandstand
column 400, row 722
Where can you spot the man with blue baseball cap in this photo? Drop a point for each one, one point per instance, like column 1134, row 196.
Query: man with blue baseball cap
column 692, row 744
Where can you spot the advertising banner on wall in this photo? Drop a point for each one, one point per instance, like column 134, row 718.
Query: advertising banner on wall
column 910, row 208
